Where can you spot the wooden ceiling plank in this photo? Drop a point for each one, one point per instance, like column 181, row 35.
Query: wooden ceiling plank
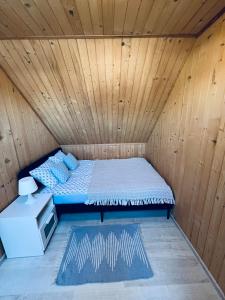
column 88, row 84
column 93, row 90
column 144, row 71
column 4, row 31
column 85, row 16
column 57, row 96
column 131, row 16
column 46, row 58
column 159, row 84
column 95, row 7
column 89, row 78
column 210, row 17
column 166, row 17
column 48, row 14
column 144, row 11
column 89, row 104
column 20, row 10
column 198, row 17
column 13, row 22
column 155, row 83
column 133, row 59
column 64, row 78
column 120, row 9
column 71, row 12
column 186, row 17
column 148, row 81
column 154, row 15
column 125, row 53
column 145, row 54
column 61, row 16
column 83, row 104
column 7, row 28
column 36, row 15
column 108, row 16
column 181, row 54
column 49, row 62
column 177, row 59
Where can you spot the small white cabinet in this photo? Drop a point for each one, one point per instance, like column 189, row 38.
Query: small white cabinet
column 25, row 229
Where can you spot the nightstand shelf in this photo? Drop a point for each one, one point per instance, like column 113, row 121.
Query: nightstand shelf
column 25, row 229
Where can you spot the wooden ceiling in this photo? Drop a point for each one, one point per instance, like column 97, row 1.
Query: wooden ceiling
column 58, row 18
column 96, row 90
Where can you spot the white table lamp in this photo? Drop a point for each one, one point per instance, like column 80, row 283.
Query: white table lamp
column 27, row 186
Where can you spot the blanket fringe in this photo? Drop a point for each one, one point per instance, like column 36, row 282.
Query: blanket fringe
column 112, row 202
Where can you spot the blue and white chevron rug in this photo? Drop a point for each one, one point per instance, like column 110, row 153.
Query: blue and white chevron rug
column 104, row 253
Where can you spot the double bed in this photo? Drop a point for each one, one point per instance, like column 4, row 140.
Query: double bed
column 108, row 185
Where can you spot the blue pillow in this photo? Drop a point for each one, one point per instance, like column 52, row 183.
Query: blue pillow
column 60, row 171
column 44, row 175
column 70, row 161
column 55, row 159
column 60, row 155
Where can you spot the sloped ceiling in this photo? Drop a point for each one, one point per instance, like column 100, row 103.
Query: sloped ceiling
column 96, row 90
column 37, row 18
column 110, row 90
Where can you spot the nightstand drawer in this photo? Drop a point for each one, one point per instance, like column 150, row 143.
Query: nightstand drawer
column 48, row 226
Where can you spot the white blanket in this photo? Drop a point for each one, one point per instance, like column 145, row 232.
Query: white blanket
column 127, row 181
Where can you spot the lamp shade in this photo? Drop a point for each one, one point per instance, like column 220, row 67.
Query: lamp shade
column 27, row 185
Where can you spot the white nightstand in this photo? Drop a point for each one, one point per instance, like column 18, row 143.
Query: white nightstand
column 25, row 229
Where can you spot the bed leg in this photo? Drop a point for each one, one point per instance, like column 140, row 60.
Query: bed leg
column 102, row 215
column 168, row 213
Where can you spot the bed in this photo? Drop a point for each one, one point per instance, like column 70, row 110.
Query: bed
column 109, row 185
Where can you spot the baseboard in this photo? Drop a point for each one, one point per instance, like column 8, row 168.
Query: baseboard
column 2, row 258
column 215, row 284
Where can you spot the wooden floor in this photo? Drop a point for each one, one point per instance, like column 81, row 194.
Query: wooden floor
column 178, row 275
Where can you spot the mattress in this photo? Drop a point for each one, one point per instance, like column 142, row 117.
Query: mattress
column 130, row 181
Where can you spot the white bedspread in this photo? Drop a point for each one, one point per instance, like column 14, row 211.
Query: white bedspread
column 127, row 181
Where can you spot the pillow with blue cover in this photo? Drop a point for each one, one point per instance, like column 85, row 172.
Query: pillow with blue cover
column 44, row 175
column 59, row 155
column 60, row 171
column 70, row 161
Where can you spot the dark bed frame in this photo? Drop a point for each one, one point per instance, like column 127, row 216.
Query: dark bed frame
column 74, row 208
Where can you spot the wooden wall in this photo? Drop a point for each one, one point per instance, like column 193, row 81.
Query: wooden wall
column 30, row 18
column 106, row 151
column 187, row 146
column 23, row 138
column 96, row 90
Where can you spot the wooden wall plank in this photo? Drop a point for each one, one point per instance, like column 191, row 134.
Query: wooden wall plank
column 40, row 18
column 187, row 146
column 96, row 90
column 23, row 138
column 106, row 151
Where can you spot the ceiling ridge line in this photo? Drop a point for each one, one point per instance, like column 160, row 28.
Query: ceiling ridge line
column 96, row 36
